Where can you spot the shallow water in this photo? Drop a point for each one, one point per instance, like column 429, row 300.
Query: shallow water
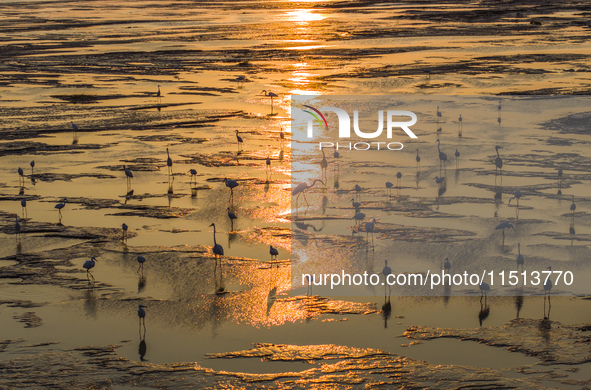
column 99, row 66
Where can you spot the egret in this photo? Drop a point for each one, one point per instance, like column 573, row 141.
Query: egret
column 24, row 206
column 300, row 188
column 418, row 158
column 516, row 195
column 356, row 205
column 439, row 180
column 74, row 127
column 32, row 163
column 457, row 154
column 460, row 120
column 398, row 179
column 548, row 283
column 169, row 162
column 128, row 174
column 240, row 80
column 498, row 160
column 60, row 206
column 499, row 106
column 389, row 187
column 193, row 173
column 442, row 156
column 21, row 176
column 124, row 236
column 88, row 265
column 231, row 184
column 387, row 271
column 484, row 289
column 369, row 227
column 446, row 264
column 504, row 225
column 271, row 95
column 231, row 215
column 217, row 248
column 141, row 260
column 273, row 252
column 520, row 260
column 141, row 313
column 239, row 140
column 158, row 95
column 358, row 217
column 268, row 163
column 438, row 114
column 336, row 154
column 573, row 206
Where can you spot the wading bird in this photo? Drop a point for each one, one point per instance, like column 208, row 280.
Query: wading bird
column 438, row 114
column 232, row 216
column 573, row 207
column 357, row 190
column 32, row 163
column 124, row 227
column 520, row 260
column 457, row 154
column 60, row 206
column 336, row 154
column 74, row 128
column 240, row 80
column 169, row 163
column 460, row 126
column 158, row 95
column 369, row 227
column 418, row 158
column 386, row 271
column 439, row 180
column 217, row 249
column 239, row 140
column 548, row 283
column 17, row 228
column 141, row 260
column 141, row 313
column 559, row 176
column 21, row 176
column 389, row 188
column 231, row 184
column 516, row 195
column 88, row 265
column 268, row 163
column 358, row 217
column 498, row 160
column 504, row 225
column 324, row 162
column 484, row 289
column 301, row 188
column 129, row 175
column 271, row 95
column 446, row 264
column 24, row 206
column 499, row 106
column 398, row 179
column 193, row 173
column 273, row 252
column 356, row 205
column 442, row 156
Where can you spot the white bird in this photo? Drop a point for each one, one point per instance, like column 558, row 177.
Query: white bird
column 141, row 260
column 516, row 195
column 217, row 248
column 520, row 259
column 484, row 289
column 88, row 265
column 548, row 283
column 302, row 187
column 504, row 225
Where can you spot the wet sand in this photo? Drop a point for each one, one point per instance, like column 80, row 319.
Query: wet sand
column 239, row 323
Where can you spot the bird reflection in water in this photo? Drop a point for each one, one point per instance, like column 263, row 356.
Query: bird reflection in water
column 484, row 311
column 271, row 299
column 143, row 347
column 128, row 196
column 90, row 302
column 518, row 303
column 386, row 310
column 220, row 286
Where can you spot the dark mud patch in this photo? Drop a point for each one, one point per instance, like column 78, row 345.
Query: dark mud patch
column 550, row 341
column 20, row 303
column 416, row 234
column 19, row 148
column 178, row 138
column 30, row 319
column 51, row 177
column 5, row 343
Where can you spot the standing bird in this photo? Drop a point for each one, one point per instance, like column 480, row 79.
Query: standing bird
column 124, row 227
column 231, row 215
column 169, row 163
column 520, row 260
column 457, row 154
column 231, row 184
column 239, row 140
column 460, row 126
column 281, row 137
column 548, row 283
column 217, row 249
column 386, row 271
column 418, row 158
column 516, row 195
column 498, row 160
column 439, row 180
column 60, row 206
column 484, row 289
column 301, row 188
column 438, row 114
column 32, row 164
column 271, row 95
column 17, row 228
column 358, row 217
column 141, row 313
column 446, row 264
column 357, row 190
column 88, row 265
column 398, row 179
column 129, row 175
column 389, row 186
column 273, row 252
column 193, row 173
column 573, row 207
column 442, row 156
column 504, row 225
column 336, row 154
column 158, row 96
column 268, row 163
column 499, row 106
column 21, row 176
column 356, row 205
column 24, row 207
column 141, row 260
column 324, row 162
column 74, row 128
column 369, row 227
column 559, row 176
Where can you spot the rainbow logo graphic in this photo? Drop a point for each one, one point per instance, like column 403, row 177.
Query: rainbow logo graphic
column 317, row 114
